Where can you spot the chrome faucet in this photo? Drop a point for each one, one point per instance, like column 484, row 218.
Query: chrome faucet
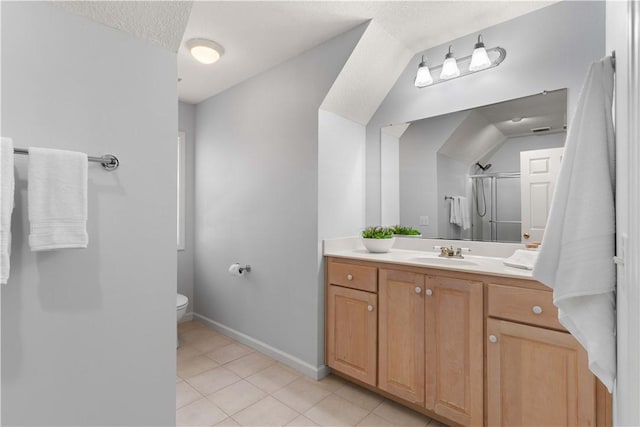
column 450, row 252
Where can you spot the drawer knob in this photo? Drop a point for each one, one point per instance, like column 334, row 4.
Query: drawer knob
column 349, row 277
column 493, row 339
column 369, row 308
column 429, row 292
column 537, row 309
column 418, row 290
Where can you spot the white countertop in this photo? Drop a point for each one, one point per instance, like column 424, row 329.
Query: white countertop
column 479, row 264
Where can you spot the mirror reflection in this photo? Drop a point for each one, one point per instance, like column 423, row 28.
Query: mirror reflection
column 486, row 173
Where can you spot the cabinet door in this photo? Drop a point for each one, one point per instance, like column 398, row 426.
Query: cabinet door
column 401, row 329
column 351, row 332
column 537, row 377
column 454, row 349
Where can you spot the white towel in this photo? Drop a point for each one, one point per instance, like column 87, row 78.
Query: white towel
column 7, row 184
column 522, row 258
column 57, row 199
column 454, row 216
column 465, row 221
column 576, row 257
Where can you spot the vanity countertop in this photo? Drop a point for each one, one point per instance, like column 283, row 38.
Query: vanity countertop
column 480, row 264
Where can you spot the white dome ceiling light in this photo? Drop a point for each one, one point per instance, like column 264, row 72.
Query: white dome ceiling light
column 205, row 51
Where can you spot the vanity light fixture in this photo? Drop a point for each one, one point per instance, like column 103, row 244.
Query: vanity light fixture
column 205, row 51
column 423, row 77
column 481, row 59
column 450, row 67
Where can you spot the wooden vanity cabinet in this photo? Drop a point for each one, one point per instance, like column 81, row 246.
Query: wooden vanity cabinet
column 401, row 322
column 430, row 343
column 352, row 322
column 537, row 373
column 454, row 349
column 454, row 345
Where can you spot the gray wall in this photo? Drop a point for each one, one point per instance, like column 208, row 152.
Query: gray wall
column 88, row 336
column 548, row 49
column 187, row 124
column 257, row 203
column 419, row 147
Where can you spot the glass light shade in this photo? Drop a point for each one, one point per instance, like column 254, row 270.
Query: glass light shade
column 205, row 54
column 479, row 59
column 423, row 77
column 204, row 50
column 449, row 69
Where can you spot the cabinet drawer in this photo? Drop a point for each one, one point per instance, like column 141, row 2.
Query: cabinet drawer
column 353, row 276
column 523, row 305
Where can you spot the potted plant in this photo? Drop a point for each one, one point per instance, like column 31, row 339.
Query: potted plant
column 402, row 231
column 378, row 239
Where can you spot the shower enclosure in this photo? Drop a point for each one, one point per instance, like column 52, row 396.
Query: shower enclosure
column 495, row 207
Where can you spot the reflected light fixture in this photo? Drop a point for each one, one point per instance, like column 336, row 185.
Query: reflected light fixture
column 450, row 67
column 480, row 59
column 205, row 51
column 423, row 76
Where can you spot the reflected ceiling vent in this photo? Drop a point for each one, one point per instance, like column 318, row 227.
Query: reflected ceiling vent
column 541, row 129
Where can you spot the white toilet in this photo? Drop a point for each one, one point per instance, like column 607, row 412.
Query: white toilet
column 181, row 308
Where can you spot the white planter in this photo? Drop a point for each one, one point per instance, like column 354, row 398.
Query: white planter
column 409, row 236
column 378, row 245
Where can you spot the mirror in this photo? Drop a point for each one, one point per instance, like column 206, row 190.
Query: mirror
column 486, row 173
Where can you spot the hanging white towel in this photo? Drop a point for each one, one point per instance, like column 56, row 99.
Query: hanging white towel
column 465, row 221
column 7, row 184
column 576, row 256
column 454, row 217
column 57, row 199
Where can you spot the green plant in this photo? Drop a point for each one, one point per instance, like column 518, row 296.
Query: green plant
column 377, row 233
column 406, row 231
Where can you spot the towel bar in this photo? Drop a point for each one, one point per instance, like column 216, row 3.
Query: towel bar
column 108, row 161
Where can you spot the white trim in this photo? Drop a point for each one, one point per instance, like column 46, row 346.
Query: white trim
column 182, row 191
column 627, row 391
column 315, row 372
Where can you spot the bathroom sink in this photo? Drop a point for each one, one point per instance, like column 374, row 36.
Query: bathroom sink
column 444, row 261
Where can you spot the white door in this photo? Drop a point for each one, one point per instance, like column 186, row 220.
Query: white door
column 538, row 176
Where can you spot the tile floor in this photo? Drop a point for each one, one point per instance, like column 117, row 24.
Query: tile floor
column 221, row 382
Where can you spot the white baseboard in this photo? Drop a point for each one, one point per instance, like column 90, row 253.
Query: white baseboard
column 315, row 372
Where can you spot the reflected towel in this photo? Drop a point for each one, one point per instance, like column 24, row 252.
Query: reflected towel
column 454, row 215
column 576, row 257
column 57, row 199
column 463, row 208
column 7, row 184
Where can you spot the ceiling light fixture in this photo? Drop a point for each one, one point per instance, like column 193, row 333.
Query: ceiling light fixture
column 450, row 67
column 205, row 51
column 481, row 59
column 423, row 77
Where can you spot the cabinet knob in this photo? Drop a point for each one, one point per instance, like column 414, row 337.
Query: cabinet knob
column 537, row 309
column 429, row 292
column 349, row 277
column 526, row 235
column 493, row 338
column 370, row 308
column 418, row 290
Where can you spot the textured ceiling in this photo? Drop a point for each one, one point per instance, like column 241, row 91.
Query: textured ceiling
column 162, row 22
column 258, row 35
